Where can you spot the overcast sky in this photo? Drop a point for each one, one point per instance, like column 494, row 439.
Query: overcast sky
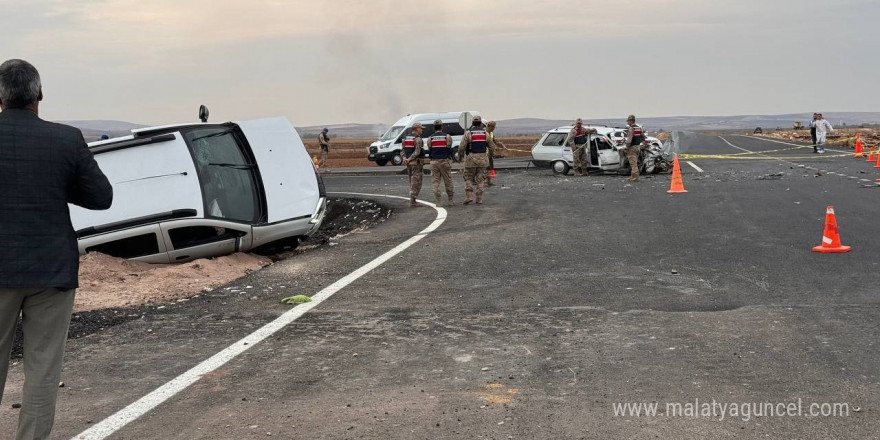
column 372, row 61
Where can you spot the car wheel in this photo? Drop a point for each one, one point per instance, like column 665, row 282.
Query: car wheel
column 397, row 159
column 381, row 162
column 560, row 167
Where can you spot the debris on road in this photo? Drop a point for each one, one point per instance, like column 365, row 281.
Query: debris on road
column 773, row 176
column 296, row 299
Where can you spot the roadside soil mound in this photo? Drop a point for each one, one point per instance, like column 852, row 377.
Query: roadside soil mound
column 114, row 282
column 110, row 282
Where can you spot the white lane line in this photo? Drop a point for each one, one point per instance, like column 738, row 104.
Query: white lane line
column 739, row 148
column 699, row 170
column 132, row 412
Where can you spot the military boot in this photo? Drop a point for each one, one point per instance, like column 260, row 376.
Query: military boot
column 479, row 198
column 450, row 201
column 468, row 197
column 412, row 202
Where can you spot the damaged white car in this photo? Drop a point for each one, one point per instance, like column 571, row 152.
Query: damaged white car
column 552, row 151
column 193, row 191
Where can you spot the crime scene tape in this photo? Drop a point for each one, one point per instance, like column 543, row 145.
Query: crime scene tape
column 728, row 156
column 761, row 155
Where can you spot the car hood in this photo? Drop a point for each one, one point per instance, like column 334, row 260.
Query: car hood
column 285, row 167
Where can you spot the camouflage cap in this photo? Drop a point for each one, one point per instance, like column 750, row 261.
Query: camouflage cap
column 631, row 118
column 438, row 122
column 490, row 124
column 417, row 125
column 478, row 118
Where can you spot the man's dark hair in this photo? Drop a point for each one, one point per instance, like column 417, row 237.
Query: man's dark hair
column 19, row 84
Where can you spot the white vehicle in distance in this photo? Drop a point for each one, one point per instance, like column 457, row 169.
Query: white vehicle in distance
column 552, row 151
column 618, row 136
column 389, row 146
column 191, row 191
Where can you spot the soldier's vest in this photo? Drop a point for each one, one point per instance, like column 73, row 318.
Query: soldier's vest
column 580, row 136
column 479, row 140
column 409, row 147
column 638, row 136
column 439, row 149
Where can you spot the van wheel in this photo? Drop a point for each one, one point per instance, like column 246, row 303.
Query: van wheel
column 560, row 167
column 397, row 159
column 381, row 162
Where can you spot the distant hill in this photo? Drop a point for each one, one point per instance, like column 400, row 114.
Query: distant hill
column 537, row 126
column 92, row 130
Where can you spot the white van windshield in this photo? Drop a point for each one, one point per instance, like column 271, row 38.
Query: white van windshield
column 227, row 177
column 392, row 133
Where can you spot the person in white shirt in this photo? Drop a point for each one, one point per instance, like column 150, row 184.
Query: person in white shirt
column 813, row 131
column 822, row 129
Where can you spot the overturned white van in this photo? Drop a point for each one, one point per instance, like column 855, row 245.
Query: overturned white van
column 389, row 146
column 201, row 190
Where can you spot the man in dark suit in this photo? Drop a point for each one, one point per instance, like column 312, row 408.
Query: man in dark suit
column 43, row 167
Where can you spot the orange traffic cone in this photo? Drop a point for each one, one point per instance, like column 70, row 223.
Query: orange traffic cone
column 859, row 152
column 831, row 238
column 315, row 162
column 677, row 185
column 492, row 173
column 877, row 165
column 870, row 155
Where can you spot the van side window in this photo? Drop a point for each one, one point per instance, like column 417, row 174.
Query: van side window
column 453, row 129
column 190, row 236
column 131, row 247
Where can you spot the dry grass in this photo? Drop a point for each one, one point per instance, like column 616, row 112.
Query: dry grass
column 353, row 152
column 843, row 137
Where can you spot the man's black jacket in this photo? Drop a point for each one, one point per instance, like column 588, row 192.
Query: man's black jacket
column 43, row 167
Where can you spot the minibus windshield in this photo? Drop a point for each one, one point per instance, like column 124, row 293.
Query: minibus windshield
column 392, row 133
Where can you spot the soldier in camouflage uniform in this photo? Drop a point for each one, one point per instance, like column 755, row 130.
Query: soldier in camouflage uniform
column 412, row 159
column 440, row 152
column 578, row 139
column 635, row 135
column 494, row 144
column 475, row 145
column 324, row 142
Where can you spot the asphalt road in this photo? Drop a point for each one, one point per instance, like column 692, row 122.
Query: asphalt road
column 531, row 316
